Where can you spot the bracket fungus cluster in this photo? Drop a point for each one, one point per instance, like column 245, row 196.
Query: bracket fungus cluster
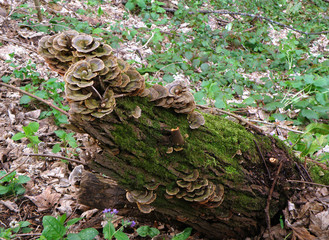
column 193, row 188
column 91, row 73
column 143, row 199
column 176, row 95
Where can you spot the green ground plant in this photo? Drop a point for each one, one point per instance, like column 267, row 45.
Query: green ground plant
column 29, row 132
column 18, row 227
column 12, row 184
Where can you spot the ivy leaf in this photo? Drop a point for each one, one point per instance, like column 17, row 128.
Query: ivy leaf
column 220, row 103
column 183, row 235
column 273, row 105
column 23, row 179
column 56, row 148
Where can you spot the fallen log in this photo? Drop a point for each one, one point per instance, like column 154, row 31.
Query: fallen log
column 204, row 170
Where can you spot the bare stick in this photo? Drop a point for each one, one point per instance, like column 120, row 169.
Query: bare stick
column 311, row 183
column 53, row 156
column 254, row 16
column 37, row 7
column 260, row 153
column 267, row 209
column 33, row 96
column 273, row 124
column 13, row 170
column 31, row 48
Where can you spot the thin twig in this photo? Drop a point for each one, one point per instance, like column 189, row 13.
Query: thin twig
column 254, row 16
column 33, row 49
column 267, row 209
column 260, row 153
column 11, row 171
column 53, row 156
column 311, row 183
column 37, row 7
column 279, row 126
column 33, row 96
column 221, row 112
column 153, row 33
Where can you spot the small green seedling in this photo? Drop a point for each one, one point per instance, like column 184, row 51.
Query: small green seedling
column 29, row 133
column 67, row 141
column 12, row 184
column 10, row 233
column 55, row 229
column 145, row 231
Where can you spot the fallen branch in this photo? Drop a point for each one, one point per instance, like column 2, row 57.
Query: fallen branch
column 13, row 169
column 33, row 49
column 33, row 96
column 254, row 16
column 267, row 209
column 311, row 183
column 53, row 156
column 279, row 126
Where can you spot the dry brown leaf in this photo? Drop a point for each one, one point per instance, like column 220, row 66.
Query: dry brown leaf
column 46, row 200
column 301, row 233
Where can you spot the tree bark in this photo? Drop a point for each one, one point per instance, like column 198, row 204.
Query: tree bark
column 142, row 155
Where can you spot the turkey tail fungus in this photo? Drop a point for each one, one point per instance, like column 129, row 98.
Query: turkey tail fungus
column 215, row 181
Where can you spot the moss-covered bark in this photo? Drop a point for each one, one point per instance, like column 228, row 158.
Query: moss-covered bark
column 223, row 152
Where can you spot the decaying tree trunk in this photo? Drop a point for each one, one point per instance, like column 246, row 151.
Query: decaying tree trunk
column 135, row 154
column 206, row 171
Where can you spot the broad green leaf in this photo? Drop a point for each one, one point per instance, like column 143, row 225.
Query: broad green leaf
column 61, row 218
column 183, row 235
column 145, row 231
column 25, row 99
column 279, row 116
column 24, row 224
column 19, row 190
column 23, row 179
column 238, row 89
column 168, row 78
column 220, row 103
column 121, row 236
column 273, row 105
column 322, row 98
column 141, row 3
column 73, row 221
column 18, row 136
column 32, row 128
column 26, row 230
column 310, row 114
column 204, row 67
column 7, row 178
column 56, row 148
column 188, row 55
column 88, row 234
column 34, row 140
column 318, row 128
column 130, row 5
column 60, row 133
column 5, row 79
column 53, row 229
column 3, row 190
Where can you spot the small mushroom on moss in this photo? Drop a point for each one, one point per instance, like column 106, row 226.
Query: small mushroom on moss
column 195, row 119
column 143, row 199
column 192, row 177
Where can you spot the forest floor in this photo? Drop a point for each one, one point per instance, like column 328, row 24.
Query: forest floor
column 53, row 186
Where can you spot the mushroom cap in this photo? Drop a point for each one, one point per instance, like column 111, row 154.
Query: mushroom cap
column 176, row 87
column 77, row 95
column 145, row 208
column 83, row 70
column 192, row 177
column 172, row 191
column 195, row 119
column 163, row 92
column 84, row 43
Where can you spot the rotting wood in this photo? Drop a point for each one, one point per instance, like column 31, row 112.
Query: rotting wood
column 214, row 179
